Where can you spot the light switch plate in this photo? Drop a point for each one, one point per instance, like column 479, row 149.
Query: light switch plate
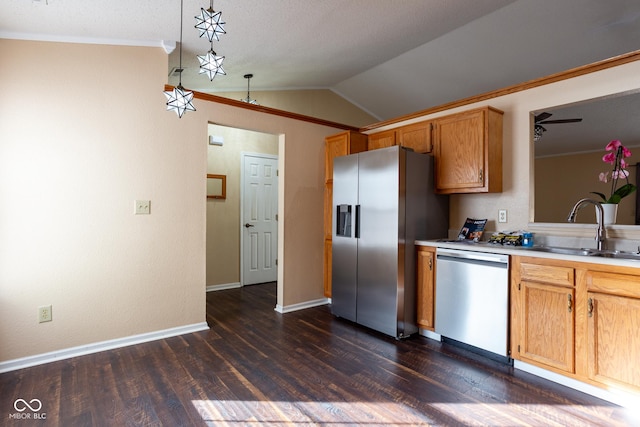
column 142, row 207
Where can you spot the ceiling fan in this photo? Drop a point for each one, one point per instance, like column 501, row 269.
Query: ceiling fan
column 541, row 119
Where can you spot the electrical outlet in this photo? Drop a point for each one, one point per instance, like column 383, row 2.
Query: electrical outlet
column 44, row 314
column 142, row 207
column 502, row 215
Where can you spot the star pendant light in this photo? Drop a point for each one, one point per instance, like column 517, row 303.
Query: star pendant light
column 179, row 99
column 211, row 64
column 209, row 23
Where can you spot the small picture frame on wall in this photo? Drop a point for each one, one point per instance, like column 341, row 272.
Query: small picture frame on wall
column 216, row 186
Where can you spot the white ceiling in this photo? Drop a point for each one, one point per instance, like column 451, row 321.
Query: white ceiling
column 390, row 57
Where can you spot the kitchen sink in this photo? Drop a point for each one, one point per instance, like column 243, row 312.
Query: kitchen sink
column 564, row 251
column 616, row 254
column 588, row 252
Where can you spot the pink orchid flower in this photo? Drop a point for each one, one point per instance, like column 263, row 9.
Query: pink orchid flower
column 613, row 146
column 604, row 176
column 616, row 153
column 620, row 173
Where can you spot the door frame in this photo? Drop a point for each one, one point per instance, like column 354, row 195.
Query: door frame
column 243, row 155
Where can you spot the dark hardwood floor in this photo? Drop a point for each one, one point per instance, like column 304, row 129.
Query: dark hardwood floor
column 258, row 367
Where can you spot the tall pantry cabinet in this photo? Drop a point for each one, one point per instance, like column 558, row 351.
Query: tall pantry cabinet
column 344, row 143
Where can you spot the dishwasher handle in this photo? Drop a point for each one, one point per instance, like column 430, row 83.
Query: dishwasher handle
column 498, row 260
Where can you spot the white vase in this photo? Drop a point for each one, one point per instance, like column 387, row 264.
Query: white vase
column 610, row 213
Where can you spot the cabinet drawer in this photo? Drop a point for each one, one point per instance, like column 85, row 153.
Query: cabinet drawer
column 627, row 285
column 562, row 276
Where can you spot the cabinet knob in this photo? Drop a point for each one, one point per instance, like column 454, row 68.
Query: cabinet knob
column 569, row 303
column 590, row 307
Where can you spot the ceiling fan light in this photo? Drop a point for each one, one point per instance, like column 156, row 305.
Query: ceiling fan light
column 537, row 132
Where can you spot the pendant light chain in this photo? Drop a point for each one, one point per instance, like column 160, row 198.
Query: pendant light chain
column 178, row 99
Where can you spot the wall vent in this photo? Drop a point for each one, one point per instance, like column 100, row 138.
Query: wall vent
column 175, row 71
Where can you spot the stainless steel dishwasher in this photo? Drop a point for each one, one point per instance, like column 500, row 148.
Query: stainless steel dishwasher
column 472, row 298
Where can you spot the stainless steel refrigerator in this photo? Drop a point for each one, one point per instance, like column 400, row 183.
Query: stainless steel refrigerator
column 383, row 201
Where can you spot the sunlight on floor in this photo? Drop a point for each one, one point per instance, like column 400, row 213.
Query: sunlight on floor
column 234, row 412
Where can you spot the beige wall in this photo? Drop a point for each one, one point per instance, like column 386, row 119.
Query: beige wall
column 223, row 216
column 81, row 137
column 320, row 103
column 563, row 180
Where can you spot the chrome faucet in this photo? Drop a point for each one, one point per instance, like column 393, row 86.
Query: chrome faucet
column 601, row 235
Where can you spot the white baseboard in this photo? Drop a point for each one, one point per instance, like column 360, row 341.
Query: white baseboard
column 67, row 353
column 301, row 306
column 430, row 334
column 222, row 287
column 618, row 397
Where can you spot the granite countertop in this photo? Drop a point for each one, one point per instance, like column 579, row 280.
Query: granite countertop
column 484, row 246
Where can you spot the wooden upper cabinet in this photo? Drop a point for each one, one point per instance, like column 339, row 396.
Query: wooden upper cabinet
column 341, row 144
column 468, row 152
column 416, row 136
column 382, row 139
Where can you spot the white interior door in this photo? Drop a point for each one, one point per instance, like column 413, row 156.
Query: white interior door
column 259, row 226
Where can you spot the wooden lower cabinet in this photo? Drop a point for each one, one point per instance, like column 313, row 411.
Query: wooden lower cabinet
column 425, row 287
column 578, row 319
column 613, row 329
column 544, row 295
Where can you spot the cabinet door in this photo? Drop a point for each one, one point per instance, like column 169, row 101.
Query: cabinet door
column 327, row 268
column 335, row 146
column 468, row 152
column 614, row 340
column 460, row 151
column 425, row 289
column 416, row 136
column 328, row 211
column 382, row 140
column 547, row 326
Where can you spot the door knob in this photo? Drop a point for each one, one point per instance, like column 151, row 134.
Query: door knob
column 247, row 225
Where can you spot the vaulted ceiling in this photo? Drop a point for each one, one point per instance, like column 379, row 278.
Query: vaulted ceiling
column 388, row 57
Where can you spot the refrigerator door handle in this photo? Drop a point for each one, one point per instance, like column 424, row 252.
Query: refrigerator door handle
column 357, row 231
